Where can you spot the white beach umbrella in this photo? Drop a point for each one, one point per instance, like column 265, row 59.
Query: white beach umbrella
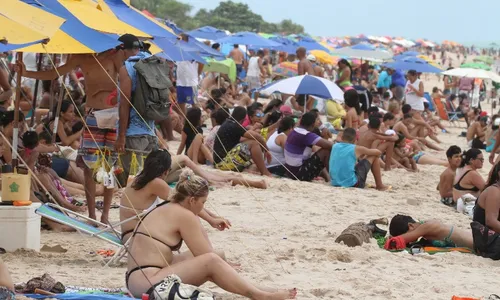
column 306, row 85
column 472, row 73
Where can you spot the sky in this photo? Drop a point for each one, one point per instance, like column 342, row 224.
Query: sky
column 436, row 20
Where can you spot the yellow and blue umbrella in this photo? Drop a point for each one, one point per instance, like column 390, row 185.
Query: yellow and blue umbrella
column 17, row 35
column 73, row 37
column 86, row 11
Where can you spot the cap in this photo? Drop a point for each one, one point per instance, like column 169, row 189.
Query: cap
column 129, row 41
column 286, row 110
column 311, row 57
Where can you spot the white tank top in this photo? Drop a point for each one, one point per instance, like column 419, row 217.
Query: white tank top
column 253, row 67
column 277, row 153
column 416, row 102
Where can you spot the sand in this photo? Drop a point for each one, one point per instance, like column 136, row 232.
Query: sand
column 284, row 237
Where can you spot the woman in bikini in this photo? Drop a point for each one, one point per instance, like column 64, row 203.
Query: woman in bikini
column 353, row 116
column 468, row 180
column 162, row 231
column 149, row 189
column 487, row 209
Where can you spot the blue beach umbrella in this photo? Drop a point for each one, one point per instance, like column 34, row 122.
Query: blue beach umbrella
column 177, row 50
column 413, row 63
column 311, row 44
column 410, row 53
column 248, row 38
column 208, row 33
column 363, row 51
column 306, row 85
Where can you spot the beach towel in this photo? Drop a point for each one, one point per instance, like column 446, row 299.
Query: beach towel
column 424, row 249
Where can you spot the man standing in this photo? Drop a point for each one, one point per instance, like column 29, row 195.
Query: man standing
column 238, row 58
column 304, row 65
column 186, row 83
column 97, row 71
column 255, row 71
column 399, row 82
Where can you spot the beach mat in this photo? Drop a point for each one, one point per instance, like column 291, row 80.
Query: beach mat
column 426, row 249
column 80, row 296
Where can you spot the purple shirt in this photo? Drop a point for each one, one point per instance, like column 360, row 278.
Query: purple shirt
column 298, row 146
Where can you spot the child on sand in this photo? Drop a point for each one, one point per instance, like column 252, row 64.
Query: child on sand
column 403, row 155
column 192, row 138
column 404, row 230
column 445, row 186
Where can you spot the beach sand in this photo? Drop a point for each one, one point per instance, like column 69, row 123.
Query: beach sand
column 284, row 237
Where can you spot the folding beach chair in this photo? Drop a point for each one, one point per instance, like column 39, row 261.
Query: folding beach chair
column 109, row 234
column 453, row 115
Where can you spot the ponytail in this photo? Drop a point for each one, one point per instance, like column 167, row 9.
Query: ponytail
column 469, row 155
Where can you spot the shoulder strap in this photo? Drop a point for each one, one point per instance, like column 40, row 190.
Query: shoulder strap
column 460, row 180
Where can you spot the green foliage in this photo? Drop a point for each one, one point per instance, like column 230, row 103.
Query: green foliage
column 228, row 15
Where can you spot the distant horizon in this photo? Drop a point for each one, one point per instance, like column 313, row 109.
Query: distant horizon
column 370, row 18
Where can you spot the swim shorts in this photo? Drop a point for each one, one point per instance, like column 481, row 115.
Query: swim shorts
column 310, row 169
column 237, row 159
column 362, row 169
column 95, row 143
column 185, row 94
column 6, row 294
column 417, row 156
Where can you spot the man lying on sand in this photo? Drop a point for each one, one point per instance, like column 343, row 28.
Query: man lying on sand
column 404, row 230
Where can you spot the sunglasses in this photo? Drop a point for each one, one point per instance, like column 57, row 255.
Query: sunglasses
column 259, row 115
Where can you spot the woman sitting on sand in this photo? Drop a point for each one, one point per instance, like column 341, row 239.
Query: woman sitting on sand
column 161, row 233
column 276, row 144
column 404, row 230
column 192, row 138
column 487, row 209
column 150, row 187
column 468, row 180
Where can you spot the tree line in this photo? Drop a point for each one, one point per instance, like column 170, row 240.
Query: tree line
column 228, row 15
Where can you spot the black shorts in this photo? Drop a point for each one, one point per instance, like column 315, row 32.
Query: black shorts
column 365, row 100
column 310, row 169
column 362, row 169
column 279, row 170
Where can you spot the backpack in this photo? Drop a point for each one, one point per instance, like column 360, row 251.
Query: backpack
column 486, row 242
column 151, row 97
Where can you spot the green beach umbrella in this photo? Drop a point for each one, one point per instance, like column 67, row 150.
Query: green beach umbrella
column 484, row 59
column 476, row 65
column 227, row 67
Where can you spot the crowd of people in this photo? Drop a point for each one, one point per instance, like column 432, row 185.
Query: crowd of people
column 383, row 122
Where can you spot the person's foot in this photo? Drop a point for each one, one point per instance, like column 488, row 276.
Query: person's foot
column 283, row 295
column 104, row 220
column 387, row 167
column 261, row 184
column 384, row 187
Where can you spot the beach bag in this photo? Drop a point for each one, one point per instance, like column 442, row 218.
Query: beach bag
column 151, row 97
column 486, row 242
column 172, row 288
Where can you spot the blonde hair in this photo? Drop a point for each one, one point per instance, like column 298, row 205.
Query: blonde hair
column 190, row 185
column 393, row 107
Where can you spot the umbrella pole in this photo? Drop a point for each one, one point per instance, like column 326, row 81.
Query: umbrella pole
column 52, row 86
column 58, row 109
column 35, row 93
column 15, row 134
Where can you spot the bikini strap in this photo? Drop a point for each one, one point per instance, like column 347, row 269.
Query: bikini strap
column 460, row 180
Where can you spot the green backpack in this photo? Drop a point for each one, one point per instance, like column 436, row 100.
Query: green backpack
column 151, row 96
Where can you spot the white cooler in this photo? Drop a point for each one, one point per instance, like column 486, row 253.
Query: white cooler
column 20, row 227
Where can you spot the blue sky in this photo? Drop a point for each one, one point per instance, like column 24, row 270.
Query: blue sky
column 456, row 20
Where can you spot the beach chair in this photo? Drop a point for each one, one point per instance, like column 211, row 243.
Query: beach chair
column 74, row 220
column 451, row 111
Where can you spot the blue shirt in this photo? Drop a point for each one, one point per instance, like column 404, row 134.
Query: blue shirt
column 137, row 126
column 398, row 78
column 384, row 80
column 343, row 164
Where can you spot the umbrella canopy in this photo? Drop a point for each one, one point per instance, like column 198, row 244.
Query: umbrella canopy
column 413, row 63
column 286, row 69
column 311, row 44
column 476, row 65
column 306, row 84
column 135, row 18
column 16, row 33
column 472, row 73
column 363, row 51
column 248, row 38
column 177, row 50
column 410, row 53
column 322, row 56
column 208, row 33
column 227, row 66
column 484, row 59
column 88, row 14
column 72, row 37
column 286, row 45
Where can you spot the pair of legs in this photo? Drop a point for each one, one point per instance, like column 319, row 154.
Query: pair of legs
column 171, row 124
column 198, row 152
column 257, row 157
column 90, row 194
column 386, row 148
column 47, row 179
column 430, row 160
column 182, row 161
column 6, row 285
column 79, row 189
column 377, row 174
column 200, row 269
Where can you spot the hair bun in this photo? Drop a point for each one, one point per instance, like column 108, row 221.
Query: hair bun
column 186, row 175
